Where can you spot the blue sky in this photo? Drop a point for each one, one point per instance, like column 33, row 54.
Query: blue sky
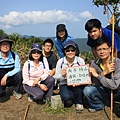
column 40, row 17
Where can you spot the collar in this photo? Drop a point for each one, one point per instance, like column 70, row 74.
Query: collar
column 74, row 62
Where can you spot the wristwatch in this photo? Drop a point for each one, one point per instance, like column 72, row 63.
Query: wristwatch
column 39, row 82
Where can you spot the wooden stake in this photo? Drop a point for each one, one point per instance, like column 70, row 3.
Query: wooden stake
column 111, row 111
column 26, row 111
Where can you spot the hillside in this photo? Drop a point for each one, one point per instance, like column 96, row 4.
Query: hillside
column 82, row 44
column 80, row 41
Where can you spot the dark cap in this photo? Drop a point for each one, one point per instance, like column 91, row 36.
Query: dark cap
column 60, row 27
column 36, row 46
column 69, row 43
column 4, row 38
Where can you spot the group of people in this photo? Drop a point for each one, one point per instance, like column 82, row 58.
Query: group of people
column 43, row 68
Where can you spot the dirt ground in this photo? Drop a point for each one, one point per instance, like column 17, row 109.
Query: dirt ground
column 12, row 109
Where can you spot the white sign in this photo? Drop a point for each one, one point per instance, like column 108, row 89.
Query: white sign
column 78, row 75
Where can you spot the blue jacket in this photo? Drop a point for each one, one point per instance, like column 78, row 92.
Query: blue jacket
column 60, row 45
column 10, row 65
column 108, row 35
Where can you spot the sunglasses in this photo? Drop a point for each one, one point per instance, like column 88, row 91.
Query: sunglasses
column 70, row 50
column 36, row 51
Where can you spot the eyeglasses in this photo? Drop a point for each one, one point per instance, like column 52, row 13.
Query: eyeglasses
column 36, row 51
column 48, row 45
column 102, row 49
column 70, row 50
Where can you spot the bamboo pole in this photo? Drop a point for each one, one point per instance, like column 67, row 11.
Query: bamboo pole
column 26, row 111
column 111, row 111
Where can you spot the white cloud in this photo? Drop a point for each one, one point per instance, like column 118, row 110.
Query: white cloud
column 86, row 14
column 37, row 17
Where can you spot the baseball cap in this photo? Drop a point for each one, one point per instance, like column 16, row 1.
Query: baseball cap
column 36, row 46
column 69, row 43
column 60, row 27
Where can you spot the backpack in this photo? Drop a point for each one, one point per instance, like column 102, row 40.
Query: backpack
column 116, row 28
column 29, row 66
column 13, row 55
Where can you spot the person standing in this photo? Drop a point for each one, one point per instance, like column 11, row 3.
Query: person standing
column 61, row 38
column 95, row 31
column 36, row 80
column 10, row 73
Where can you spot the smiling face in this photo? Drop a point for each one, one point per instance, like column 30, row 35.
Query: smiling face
column 47, row 47
column 5, row 47
column 61, row 34
column 70, row 52
column 36, row 54
column 103, row 51
column 95, row 33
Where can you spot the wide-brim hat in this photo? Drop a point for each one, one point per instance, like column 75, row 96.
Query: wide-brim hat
column 70, row 43
column 4, row 38
column 36, row 46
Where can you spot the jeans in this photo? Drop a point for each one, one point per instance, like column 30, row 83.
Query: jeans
column 97, row 96
column 68, row 92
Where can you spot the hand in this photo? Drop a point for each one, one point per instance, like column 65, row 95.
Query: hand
column 93, row 72
column 36, row 81
column 3, row 81
column 43, row 87
column 109, row 68
column 64, row 72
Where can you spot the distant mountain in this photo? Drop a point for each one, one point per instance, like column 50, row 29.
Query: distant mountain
column 82, row 44
column 80, row 41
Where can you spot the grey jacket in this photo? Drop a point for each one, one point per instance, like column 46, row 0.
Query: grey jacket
column 111, row 83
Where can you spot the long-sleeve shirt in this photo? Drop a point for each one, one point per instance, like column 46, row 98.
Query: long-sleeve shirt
column 62, row 63
column 31, row 72
column 60, row 45
column 110, row 83
column 9, row 63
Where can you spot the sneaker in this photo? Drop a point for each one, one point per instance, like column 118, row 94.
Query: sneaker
column 17, row 95
column 30, row 99
column 79, row 108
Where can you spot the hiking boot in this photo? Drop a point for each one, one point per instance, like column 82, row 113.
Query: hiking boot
column 30, row 99
column 17, row 95
column 79, row 108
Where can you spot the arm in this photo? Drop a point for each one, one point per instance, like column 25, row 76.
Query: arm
column 46, row 69
column 112, row 83
column 59, row 47
column 53, row 63
column 17, row 66
column 26, row 75
column 58, row 72
column 52, row 72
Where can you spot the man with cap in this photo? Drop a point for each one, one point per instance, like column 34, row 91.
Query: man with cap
column 67, row 92
column 61, row 38
column 10, row 73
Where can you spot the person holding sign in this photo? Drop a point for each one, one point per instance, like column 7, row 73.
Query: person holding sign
column 67, row 92
column 102, row 80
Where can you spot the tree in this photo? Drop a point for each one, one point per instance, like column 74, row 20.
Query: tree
column 2, row 32
column 110, row 6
